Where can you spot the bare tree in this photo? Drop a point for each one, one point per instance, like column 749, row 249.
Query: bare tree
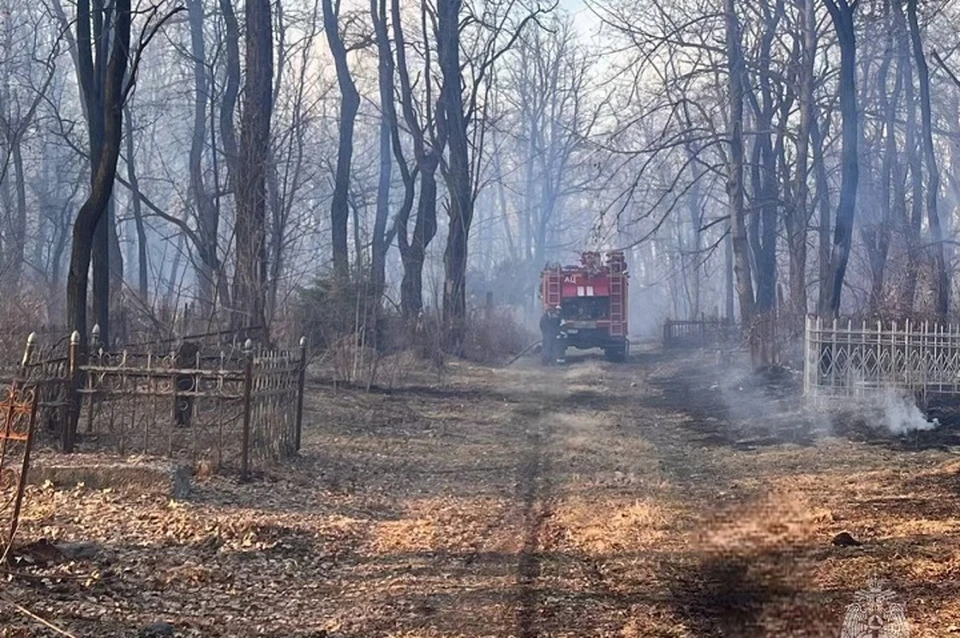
column 942, row 278
column 206, row 212
column 842, row 12
column 105, row 115
column 349, row 105
column 735, row 163
column 250, row 276
column 143, row 276
column 21, row 96
column 385, row 72
column 797, row 218
column 429, row 142
column 463, row 129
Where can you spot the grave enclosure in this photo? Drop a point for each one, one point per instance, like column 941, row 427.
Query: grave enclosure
column 846, row 359
column 234, row 406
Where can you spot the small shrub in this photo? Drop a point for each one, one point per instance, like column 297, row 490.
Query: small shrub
column 329, row 310
column 495, row 334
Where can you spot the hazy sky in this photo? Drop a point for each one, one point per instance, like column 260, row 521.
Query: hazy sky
column 584, row 19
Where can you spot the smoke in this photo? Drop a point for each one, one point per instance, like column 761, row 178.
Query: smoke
column 787, row 416
column 899, row 414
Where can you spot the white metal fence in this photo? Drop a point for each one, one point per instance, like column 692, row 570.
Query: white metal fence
column 851, row 359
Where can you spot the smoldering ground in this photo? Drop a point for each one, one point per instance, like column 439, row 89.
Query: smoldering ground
column 768, row 406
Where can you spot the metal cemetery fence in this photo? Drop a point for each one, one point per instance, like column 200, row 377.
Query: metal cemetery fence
column 18, row 413
column 228, row 404
column 697, row 332
column 847, row 359
column 231, row 408
column 239, row 407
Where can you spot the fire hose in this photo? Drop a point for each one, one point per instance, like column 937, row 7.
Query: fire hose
column 523, row 352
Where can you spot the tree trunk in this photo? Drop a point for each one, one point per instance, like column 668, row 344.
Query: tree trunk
column 349, row 105
column 425, row 228
column 173, row 281
column 143, row 286
column 693, row 255
column 942, row 282
column 824, row 225
column 94, row 208
column 842, row 15
column 379, row 245
column 207, row 215
column 457, row 175
column 729, row 303
column 18, row 240
column 913, row 219
column 250, row 275
column 764, row 172
column 798, row 216
column 413, row 250
column 228, row 103
column 876, row 235
column 735, row 162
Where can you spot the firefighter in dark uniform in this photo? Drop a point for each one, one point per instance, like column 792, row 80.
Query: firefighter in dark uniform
column 550, row 331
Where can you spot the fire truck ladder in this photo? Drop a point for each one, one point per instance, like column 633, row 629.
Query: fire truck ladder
column 616, row 304
column 552, row 292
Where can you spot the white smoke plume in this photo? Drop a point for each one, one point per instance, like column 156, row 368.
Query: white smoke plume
column 899, row 414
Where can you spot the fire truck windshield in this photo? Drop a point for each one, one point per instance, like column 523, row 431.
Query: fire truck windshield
column 585, row 308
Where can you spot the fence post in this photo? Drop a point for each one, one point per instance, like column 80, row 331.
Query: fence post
column 94, row 349
column 247, row 392
column 28, row 444
column 28, row 353
column 301, row 383
column 73, row 390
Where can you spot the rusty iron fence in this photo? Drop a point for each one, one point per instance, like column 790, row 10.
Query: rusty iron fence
column 846, row 358
column 232, row 408
column 231, row 405
column 237, row 408
column 18, row 413
column 698, row 333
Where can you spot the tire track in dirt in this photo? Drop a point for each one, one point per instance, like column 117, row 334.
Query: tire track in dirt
column 548, row 577
column 533, row 493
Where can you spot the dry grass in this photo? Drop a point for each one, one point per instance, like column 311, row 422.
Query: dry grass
column 591, row 500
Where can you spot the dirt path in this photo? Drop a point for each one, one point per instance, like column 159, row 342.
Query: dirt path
column 654, row 498
column 657, row 499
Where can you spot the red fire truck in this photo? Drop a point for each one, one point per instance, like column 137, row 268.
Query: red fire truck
column 591, row 299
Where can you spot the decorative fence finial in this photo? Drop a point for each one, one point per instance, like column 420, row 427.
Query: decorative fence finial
column 28, row 351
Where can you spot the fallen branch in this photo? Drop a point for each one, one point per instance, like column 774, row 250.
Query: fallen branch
column 33, row 616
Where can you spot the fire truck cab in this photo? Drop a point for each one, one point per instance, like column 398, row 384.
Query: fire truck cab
column 592, row 302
